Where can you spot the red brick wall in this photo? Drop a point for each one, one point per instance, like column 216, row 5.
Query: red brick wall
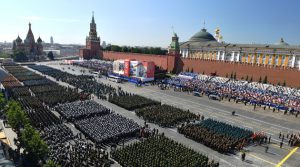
column 159, row 60
column 274, row 75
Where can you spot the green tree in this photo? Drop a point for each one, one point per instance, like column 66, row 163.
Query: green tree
column 247, row 77
column 124, row 49
column 278, row 83
column 116, row 48
column 284, row 83
column 260, row 80
column 231, row 75
column 50, row 55
column 15, row 116
column 5, row 55
column 265, row 80
column 192, row 70
column 2, row 101
column 108, row 48
column 19, row 56
column 50, row 163
column 234, row 75
column 251, row 79
column 226, row 75
column 34, row 147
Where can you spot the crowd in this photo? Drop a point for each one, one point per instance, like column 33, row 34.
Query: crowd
column 37, row 82
column 130, row 101
column 10, row 82
column 165, row 115
column 160, row 151
column 19, row 91
column 79, row 153
column 108, row 128
column 257, row 94
column 69, row 150
column 38, row 115
column 103, row 67
column 81, row 109
column 65, row 148
column 52, row 98
column 27, row 76
column 217, row 135
column 83, row 82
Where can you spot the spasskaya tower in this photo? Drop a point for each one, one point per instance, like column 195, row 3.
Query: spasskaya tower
column 93, row 48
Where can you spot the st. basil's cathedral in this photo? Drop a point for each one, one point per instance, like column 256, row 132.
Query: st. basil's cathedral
column 32, row 49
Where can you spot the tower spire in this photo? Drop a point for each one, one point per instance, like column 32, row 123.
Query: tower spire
column 93, row 20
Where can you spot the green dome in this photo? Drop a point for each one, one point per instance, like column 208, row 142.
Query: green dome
column 18, row 40
column 202, row 36
column 39, row 40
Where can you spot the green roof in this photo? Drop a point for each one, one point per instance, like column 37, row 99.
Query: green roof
column 202, row 36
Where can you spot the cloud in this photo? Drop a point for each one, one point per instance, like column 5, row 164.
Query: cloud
column 37, row 18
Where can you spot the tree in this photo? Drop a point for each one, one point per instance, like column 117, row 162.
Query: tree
column 5, row 55
column 265, row 80
column 278, row 83
column 16, row 116
column 192, row 70
column 19, row 56
column 234, row 75
column 231, row 75
column 50, row 163
column 50, row 55
column 226, row 75
column 284, row 83
column 247, row 77
column 251, row 79
column 116, row 48
column 2, row 101
column 242, row 78
column 203, row 72
column 34, row 147
column 260, row 80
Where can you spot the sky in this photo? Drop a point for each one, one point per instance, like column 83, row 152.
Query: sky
column 150, row 22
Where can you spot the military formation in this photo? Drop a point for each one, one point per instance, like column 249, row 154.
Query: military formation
column 160, row 151
column 81, row 109
column 83, row 82
column 217, row 135
column 165, row 115
column 130, row 101
column 65, row 147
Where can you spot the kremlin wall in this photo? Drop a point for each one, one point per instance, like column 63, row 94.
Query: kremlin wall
column 274, row 74
column 205, row 53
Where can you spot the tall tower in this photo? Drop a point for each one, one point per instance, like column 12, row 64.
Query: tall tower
column 173, row 56
column 174, row 46
column 93, row 41
column 51, row 40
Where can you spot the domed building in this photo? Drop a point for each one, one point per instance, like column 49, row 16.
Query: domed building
column 204, row 45
column 33, row 49
column 202, row 36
